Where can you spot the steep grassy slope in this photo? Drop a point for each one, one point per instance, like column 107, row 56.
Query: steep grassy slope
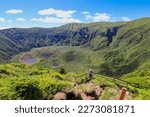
column 7, row 49
column 129, row 49
column 141, row 77
column 93, row 35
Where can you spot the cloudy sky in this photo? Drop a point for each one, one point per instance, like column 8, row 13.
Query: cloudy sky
column 51, row 13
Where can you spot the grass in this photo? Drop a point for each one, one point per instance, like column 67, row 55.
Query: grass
column 72, row 59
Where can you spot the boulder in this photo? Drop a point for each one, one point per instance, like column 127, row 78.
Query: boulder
column 60, row 96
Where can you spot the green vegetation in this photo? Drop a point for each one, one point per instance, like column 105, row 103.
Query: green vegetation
column 7, row 49
column 72, row 59
column 18, row 81
column 28, row 82
column 20, row 40
column 120, row 50
column 129, row 50
column 141, row 77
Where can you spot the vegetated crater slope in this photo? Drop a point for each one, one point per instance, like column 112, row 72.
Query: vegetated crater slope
column 119, row 50
column 7, row 49
column 94, row 35
column 125, row 45
column 129, row 50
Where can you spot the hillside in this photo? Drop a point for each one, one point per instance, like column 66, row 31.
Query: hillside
column 129, row 49
column 70, row 34
column 118, row 50
column 7, row 49
column 112, row 48
column 18, row 81
column 93, row 35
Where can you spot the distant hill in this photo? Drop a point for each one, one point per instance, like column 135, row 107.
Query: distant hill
column 93, row 35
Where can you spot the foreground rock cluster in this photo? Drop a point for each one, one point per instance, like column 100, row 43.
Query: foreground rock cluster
column 91, row 92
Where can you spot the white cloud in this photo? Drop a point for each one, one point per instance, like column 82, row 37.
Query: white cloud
column 126, row 19
column 58, row 13
column 2, row 19
column 14, row 11
column 21, row 19
column 1, row 28
column 98, row 17
column 56, row 20
column 85, row 13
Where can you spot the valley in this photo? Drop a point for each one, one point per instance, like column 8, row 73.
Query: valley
column 73, row 59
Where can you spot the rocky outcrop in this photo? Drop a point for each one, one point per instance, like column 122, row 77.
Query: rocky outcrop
column 92, row 92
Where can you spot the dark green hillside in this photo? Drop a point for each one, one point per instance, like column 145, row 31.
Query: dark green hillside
column 93, row 35
column 141, row 77
column 7, row 49
column 129, row 50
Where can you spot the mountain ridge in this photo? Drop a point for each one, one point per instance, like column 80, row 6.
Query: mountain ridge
column 69, row 34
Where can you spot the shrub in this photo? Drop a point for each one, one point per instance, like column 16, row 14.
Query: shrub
column 51, row 86
column 26, row 89
column 62, row 71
